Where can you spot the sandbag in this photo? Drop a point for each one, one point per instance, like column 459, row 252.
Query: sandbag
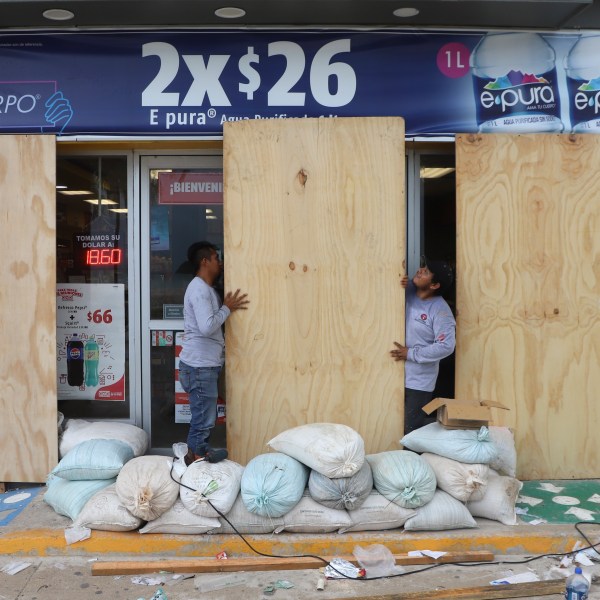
column 78, row 430
column 332, row 449
column 104, row 512
column 505, row 461
column 179, row 520
column 443, row 512
column 69, row 497
column 344, row 492
column 94, row 459
column 403, row 477
column 214, row 486
column 309, row 516
column 463, row 445
column 462, row 481
column 272, row 484
column 145, row 487
column 377, row 513
column 498, row 503
column 246, row 522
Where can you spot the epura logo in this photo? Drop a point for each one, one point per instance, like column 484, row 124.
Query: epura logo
column 518, row 92
column 587, row 99
column 528, row 96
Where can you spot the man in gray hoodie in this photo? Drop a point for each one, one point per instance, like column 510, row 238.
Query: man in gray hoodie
column 430, row 336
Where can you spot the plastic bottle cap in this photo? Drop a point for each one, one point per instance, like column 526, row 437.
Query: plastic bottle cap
column 578, row 570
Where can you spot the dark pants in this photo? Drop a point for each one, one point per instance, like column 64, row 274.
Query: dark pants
column 414, row 417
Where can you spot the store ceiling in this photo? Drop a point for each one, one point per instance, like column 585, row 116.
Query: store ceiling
column 483, row 14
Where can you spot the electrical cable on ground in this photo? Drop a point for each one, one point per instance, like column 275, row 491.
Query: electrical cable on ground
column 428, row 568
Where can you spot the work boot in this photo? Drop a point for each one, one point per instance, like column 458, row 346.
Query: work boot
column 189, row 458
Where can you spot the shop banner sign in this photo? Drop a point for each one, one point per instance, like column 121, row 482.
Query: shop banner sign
column 90, row 334
column 175, row 83
column 190, row 188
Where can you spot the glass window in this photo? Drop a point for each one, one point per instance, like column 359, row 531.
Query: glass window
column 186, row 206
column 92, row 251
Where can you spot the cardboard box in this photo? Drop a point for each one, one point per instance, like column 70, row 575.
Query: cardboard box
column 462, row 414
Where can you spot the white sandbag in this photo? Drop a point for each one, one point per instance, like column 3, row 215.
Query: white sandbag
column 213, row 486
column 403, row 477
column 272, row 484
column 377, row 513
column 344, row 492
column 443, row 512
column 498, row 503
column 246, row 522
column 145, row 487
column 78, row 430
column 463, row 445
column 505, row 462
column 332, row 449
column 104, row 512
column 309, row 516
column 462, row 481
column 94, row 459
column 69, row 497
column 179, row 520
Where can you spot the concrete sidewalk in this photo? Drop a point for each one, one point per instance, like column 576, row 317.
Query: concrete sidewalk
column 39, row 531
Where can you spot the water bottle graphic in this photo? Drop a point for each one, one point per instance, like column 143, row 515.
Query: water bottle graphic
column 92, row 356
column 75, row 361
column 577, row 586
column 515, row 84
column 582, row 66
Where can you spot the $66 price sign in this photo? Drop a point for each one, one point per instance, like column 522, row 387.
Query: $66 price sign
column 206, row 74
column 100, row 316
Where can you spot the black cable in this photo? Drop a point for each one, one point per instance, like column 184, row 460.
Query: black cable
column 429, row 567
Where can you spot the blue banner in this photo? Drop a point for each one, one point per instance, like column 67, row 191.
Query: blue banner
column 191, row 82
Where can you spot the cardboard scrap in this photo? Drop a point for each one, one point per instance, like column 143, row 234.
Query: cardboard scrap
column 462, row 413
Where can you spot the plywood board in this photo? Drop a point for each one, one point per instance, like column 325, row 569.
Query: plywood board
column 528, row 284
column 28, row 427
column 315, row 233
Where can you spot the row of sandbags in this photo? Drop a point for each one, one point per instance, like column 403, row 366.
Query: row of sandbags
column 333, row 488
column 475, row 474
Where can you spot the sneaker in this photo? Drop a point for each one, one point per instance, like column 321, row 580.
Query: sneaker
column 214, row 455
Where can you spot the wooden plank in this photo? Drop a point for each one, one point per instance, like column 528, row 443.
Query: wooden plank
column 486, row 592
column 314, row 216
column 28, row 401
column 528, row 265
column 265, row 564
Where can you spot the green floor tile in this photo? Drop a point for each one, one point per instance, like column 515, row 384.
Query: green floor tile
column 578, row 500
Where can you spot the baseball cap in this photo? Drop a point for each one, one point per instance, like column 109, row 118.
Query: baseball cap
column 442, row 271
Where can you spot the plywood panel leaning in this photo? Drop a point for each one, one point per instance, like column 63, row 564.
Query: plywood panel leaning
column 28, row 428
column 315, row 233
column 528, row 264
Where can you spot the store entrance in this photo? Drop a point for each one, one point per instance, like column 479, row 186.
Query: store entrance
column 182, row 202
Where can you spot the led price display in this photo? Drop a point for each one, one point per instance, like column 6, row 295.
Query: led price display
column 103, row 257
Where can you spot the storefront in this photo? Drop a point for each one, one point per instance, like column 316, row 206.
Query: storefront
column 139, row 164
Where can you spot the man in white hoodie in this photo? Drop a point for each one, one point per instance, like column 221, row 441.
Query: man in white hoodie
column 203, row 349
column 430, row 336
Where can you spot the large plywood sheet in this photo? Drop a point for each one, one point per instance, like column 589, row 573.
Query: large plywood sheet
column 528, row 289
column 28, row 317
column 315, row 233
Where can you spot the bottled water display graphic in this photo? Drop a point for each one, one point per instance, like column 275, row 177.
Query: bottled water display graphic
column 515, row 84
column 582, row 66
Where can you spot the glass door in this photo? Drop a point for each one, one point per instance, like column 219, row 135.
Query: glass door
column 182, row 202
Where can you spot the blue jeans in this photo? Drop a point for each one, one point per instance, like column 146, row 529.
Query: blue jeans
column 201, row 385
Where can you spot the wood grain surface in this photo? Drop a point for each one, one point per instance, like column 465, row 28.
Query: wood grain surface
column 28, row 428
column 315, row 233
column 528, row 289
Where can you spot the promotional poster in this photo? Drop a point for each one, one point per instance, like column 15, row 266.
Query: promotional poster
column 90, row 335
column 192, row 82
